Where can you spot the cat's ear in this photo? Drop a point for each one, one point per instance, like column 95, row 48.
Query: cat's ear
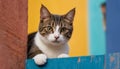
column 44, row 13
column 70, row 14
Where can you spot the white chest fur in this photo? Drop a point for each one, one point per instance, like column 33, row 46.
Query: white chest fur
column 49, row 50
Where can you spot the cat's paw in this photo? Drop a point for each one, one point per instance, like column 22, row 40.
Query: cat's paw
column 63, row 56
column 40, row 59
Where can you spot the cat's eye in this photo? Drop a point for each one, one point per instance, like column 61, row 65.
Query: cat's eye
column 49, row 28
column 63, row 29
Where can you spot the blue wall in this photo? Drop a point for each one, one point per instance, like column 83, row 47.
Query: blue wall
column 113, row 26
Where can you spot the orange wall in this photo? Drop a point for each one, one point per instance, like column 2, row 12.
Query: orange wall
column 79, row 41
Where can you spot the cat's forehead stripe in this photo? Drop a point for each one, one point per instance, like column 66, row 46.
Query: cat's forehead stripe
column 57, row 19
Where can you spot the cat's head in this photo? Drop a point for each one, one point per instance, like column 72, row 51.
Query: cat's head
column 56, row 29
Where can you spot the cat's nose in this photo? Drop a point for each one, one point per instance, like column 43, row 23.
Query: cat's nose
column 56, row 36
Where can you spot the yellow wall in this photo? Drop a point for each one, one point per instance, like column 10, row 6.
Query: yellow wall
column 79, row 41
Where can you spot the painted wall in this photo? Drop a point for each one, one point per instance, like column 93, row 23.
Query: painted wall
column 113, row 26
column 97, row 41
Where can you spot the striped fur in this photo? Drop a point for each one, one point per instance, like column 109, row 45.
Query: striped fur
column 48, row 24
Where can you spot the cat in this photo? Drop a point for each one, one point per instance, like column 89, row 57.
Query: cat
column 51, row 39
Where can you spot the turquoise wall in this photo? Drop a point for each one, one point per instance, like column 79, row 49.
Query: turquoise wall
column 97, row 41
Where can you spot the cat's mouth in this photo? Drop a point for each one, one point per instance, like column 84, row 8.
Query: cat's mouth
column 56, row 41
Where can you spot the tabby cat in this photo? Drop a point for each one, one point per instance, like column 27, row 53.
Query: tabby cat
column 50, row 41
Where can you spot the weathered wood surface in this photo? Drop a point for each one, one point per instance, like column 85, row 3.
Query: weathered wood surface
column 13, row 30
column 87, row 62
column 109, row 61
column 113, row 61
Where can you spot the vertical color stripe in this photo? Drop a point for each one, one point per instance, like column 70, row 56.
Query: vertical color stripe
column 96, row 32
column 79, row 41
column 113, row 26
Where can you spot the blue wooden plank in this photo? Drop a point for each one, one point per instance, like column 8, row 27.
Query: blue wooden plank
column 88, row 62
